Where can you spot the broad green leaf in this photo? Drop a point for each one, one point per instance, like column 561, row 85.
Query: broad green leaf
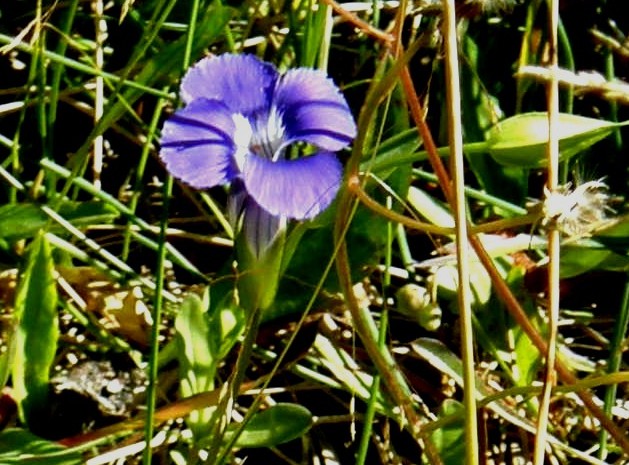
column 37, row 330
column 615, row 262
column 526, row 357
column 521, row 140
column 197, row 365
column 226, row 324
column 615, row 235
column 607, row 249
column 24, row 220
column 193, row 339
column 449, row 440
column 7, row 357
column 278, row 424
column 576, row 260
column 18, row 446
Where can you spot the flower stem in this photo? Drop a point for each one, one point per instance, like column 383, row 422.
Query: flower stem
column 613, row 365
column 370, row 413
column 229, row 396
column 464, row 297
column 554, row 240
column 151, row 391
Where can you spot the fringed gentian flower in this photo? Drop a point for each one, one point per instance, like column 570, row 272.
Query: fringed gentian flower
column 245, row 125
column 239, row 126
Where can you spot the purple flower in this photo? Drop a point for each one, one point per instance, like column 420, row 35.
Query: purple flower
column 243, row 123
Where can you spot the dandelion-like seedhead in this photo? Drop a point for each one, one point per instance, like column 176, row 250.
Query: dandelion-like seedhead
column 576, row 212
column 240, row 119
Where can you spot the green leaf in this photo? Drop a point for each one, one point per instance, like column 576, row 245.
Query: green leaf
column 615, row 235
column 432, row 210
column 279, row 424
column 196, row 361
column 37, row 331
column 521, row 141
column 18, row 446
column 8, row 356
column 607, row 249
column 24, row 220
column 527, row 358
column 197, row 365
column 226, row 324
column 449, row 440
column 576, row 260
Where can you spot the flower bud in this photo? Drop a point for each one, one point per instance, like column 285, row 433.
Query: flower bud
column 415, row 302
column 521, row 141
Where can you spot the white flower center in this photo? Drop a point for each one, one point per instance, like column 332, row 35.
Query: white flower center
column 272, row 135
column 242, row 139
column 262, row 135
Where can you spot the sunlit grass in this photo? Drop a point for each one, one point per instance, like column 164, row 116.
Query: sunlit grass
column 120, row 286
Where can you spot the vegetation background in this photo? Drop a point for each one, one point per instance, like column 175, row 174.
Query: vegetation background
column 119, row 321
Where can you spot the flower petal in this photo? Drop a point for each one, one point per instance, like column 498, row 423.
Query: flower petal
column 242, row 82
column 199, row 121
column 197, row 144
column 299, row 189
column 314, row 110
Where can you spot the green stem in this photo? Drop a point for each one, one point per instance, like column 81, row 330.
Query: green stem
column 370, row 413
column 151, row 391
column 192, row 24
column 242, row 363
column 380, row 164
column 463, row 254
column 564, row 40
column 613, row 365
column 478, row 195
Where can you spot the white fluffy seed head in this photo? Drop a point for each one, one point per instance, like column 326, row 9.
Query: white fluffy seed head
column 576, row 212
